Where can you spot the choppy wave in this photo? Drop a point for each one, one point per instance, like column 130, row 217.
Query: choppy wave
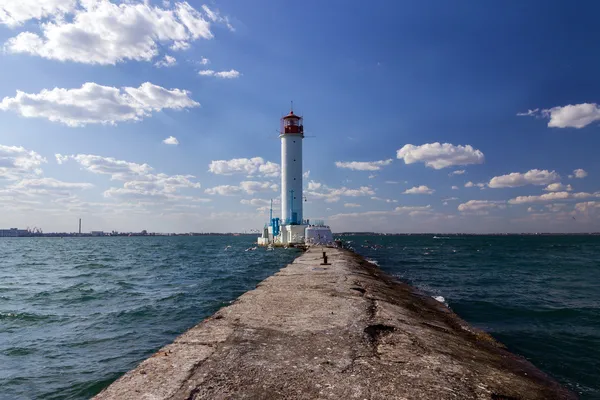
column 537, row 295
column 80, row 312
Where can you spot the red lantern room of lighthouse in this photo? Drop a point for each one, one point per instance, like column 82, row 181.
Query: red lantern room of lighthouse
column 292, row 123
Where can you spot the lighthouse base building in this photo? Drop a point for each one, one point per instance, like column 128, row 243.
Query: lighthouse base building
column 292, row 228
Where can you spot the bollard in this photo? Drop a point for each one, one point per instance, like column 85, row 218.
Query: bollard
column 325, row 259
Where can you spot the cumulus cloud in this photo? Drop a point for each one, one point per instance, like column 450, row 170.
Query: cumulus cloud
column 17, row 162
column 259, row 202
column 249, row 187
column 419, row 190
column 454, row 187
column 48, row 186
column 15, row 13
column 410, row 209
column 139, row 180
column 569, row 116
column 351, row 205
column 363, row 165
column 96, row 104
column 480, row 206
column 471, row 184
column 552, row 196
column 438, row 156
column 167, row 61
column 332, row 195
column 586, row 206
column 457, row 172
column 117, row 169
column 579, row 173
column 386, row 200
column 231, row 74
column 532, row 177
column 252, row 187
column 245, row 166
column 413, row 211
column 224, row 190
column 306, row 174
column 103, row 32
column 171, row 140
column 558, row 187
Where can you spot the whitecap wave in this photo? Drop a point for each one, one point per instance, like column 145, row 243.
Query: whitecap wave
column 440, row 299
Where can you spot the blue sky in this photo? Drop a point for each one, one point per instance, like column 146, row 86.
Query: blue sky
column 402, row 102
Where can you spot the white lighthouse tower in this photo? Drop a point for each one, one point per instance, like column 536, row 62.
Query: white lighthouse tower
column 292, row 228
column 291, row 134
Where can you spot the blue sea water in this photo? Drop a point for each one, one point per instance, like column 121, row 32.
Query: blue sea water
column 76, row 313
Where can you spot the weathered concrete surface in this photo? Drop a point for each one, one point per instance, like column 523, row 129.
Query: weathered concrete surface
column 345, row 331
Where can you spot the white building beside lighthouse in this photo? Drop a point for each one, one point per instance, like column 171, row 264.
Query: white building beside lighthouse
column 292, row 228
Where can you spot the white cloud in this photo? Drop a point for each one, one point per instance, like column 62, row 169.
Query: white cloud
column 386, row 200
column 306, row 175
column 558, row 187
column 117, row 169
column 171, row 140
column 252, row 187
column 479, row 185
column 411, row 209
column 419, row 190
column 332, row 195
column 555, row 207
column 17, row 162
column 529, row 113
column 363, row 165
column 532, row 177
column 312, row 185
column 15, row 12
column 480, row 206
column 573, row 116
column 224, row 190
column 60, row 159
column 249, row 187
column 580, row 173
column 586, row 206
column 457, row 172
column 102, row 32
column 454, row 187
column 49, row 184
column 352, row 205
column 204, row 61
column 179, row 45
column 259, row 202
column 167, row 61
column 231, row 74
column 245, row 166
column 391, row 182
column 96, row 104
column 552, row 196
column 438, row 156
column 139, row 180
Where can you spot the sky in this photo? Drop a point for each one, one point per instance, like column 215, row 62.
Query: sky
column 430, row 116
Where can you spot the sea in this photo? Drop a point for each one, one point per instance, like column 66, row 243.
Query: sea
column 77, row 313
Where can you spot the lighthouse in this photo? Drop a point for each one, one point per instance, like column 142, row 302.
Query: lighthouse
column 292, row 229
column 291, row 135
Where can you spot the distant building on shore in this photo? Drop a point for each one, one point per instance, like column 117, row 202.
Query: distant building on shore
column 13, row 232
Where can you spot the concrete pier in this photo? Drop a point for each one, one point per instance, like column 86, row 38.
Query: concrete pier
column 339, row 331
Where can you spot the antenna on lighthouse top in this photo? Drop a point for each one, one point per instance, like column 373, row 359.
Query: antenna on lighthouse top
column 292, row 106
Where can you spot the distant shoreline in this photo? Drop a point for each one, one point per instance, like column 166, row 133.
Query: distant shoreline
column 343, row 234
